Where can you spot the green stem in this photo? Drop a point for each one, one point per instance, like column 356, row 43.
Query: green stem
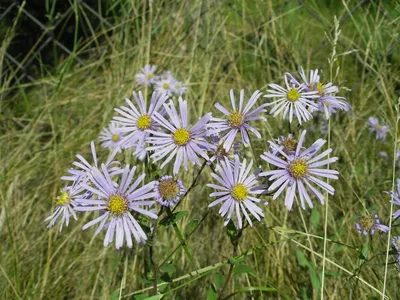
column 180, row 237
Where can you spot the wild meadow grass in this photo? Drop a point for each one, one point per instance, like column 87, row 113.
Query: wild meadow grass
column 213, row 47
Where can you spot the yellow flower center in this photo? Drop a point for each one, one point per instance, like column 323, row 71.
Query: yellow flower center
column 149, row 76
column 117, row 205
column 63, row 199
column 168, row 189
column 178, row 86
column 367, row 222
column 298, row 168
column 165, row 85
column 115, row 137
column 235, row 119
column 289, row 144
column 239, row 192
column 143, row 122
column 378, row 126
column 181, row 136
column 320, row 88
column 293, row 95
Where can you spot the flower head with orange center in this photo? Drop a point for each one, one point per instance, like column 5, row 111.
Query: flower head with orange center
column 168, row 190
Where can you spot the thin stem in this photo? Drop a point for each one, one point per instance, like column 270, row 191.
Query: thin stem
column 391, row 203
column 155, row 270
column 326, row 218
column 235, row 248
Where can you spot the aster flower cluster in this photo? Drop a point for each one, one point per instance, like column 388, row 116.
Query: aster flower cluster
column 300, row 98
column 162, row 83
column 124, row 200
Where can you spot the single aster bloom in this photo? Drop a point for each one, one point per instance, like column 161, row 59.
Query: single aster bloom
column 297, row 171
column 180, row 141
column 179, row 88
column 165, row 84
column 168, row 191
column 111, row 137
column 379, row 129
column 147, row 77
column 220, row 153
column 293, row 100
column 235, row 189
column 396, row 198
column 238, row 119
column 115, row 202
column 65, row 205
column 137, row 121
column 368, row 225
column 287, row 144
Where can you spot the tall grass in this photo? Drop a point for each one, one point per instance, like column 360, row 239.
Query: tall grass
column 213, row 46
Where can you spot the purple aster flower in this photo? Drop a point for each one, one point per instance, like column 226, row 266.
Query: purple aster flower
column 383, row 154
column 381, row 130
column 168, row 191
column 327, row 101
column 236, row 185
column 298, row 170
column 368, row 225
column 137, row 123
column 84, row 167
column 110, row 137
column 293, row 100
column 180, row 141
column 238, row 119
column 114, row 202
column 147, row 77
column 219, row 153
column 396, row 243
column 64, row 205
column 178, row 88
column 396, row 198
column 165, row 83
column 287, row 144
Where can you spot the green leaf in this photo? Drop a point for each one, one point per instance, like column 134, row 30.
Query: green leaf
column 303, row 261
column 242, row 269
column 172, row 219
column 212, row 294
column 219, row 280
column 168, row 268
column 315, row 218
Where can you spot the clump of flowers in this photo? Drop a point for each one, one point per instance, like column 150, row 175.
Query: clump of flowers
column 297, row 170
column 300, row 98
